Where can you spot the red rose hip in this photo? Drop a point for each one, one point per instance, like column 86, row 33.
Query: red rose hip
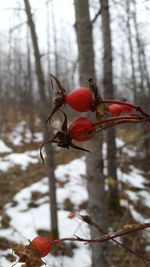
column 42, row 245
column 79, row 99
column 125, row 108
column 82, row 129
column 114, row 109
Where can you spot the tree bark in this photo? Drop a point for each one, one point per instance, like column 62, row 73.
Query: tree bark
column 55, row 41
column 44, row 111
column 109, row 94
column 134, row 85
column 144, row 86
column 144, row 80
column 29, row 89
column 94, row 162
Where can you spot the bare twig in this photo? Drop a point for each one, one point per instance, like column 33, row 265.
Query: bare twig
column 96, row 16
column 88, row 220
column 107, row 237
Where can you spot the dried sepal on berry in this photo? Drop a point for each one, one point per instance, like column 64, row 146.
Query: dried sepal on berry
column 97, row 106
column 59, row 99
column 79, row 99
column 64, row 137
column 27, row 255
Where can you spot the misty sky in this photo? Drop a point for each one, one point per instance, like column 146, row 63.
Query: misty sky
column 64, row 20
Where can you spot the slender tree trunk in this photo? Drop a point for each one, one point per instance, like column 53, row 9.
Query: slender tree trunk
column 30, row 98
column 144, row 86
column 55, row 40
column 48, row 37
column 44, row 110
column 146, row 77
column 134, row 85
column 94, row 163
column 48, row 49
column 139, row 48
column 109, row 94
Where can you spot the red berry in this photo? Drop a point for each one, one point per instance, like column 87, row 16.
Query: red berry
column 80, row 99
column 71, row 215
column 82, row 129
column 42, row 245
column 114, row 109
column 126, row 108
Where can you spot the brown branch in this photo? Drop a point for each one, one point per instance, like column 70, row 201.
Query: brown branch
column 88, row 220
column 118, row 234
column 96, row 16
column 107, row 237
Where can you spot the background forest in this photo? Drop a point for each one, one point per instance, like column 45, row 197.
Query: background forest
column 108, row 41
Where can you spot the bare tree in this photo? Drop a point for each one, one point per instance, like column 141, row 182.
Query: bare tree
column 29, row 87
column 44, row 110
column 144, row 83
column 129, row 36
column 94, row 162
column 109, row 94
column 142, row 65
column 55, row 41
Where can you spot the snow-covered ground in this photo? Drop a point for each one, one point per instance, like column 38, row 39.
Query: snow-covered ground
column 21, row 159
column 22, row 134
column 26, row 221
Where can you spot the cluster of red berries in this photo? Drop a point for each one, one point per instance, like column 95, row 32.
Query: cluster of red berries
column 84, row 100
column 81, row 100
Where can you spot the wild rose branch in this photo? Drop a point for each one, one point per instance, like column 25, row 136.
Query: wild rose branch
column 39, row 247
column 108, row 113
column 83, row 129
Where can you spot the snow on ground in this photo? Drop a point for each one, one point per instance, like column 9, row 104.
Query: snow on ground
column 74, row 189
column 4, row 148
column 22, row 134
column 142, row 196
column 21, row 159
column 121, row 145
column 136, row 215
column 134, row 178
column 26, row 221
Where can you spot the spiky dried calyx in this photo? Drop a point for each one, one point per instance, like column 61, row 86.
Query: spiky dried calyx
column 27, row 255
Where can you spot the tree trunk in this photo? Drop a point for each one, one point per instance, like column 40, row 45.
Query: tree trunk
column 29, row 97
column 146, row 76
column 144, row 86
column 94, row 162
column 109, row 94
column 144, row 81
column 44, row 111
column 134, row 85
column 55, row 40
